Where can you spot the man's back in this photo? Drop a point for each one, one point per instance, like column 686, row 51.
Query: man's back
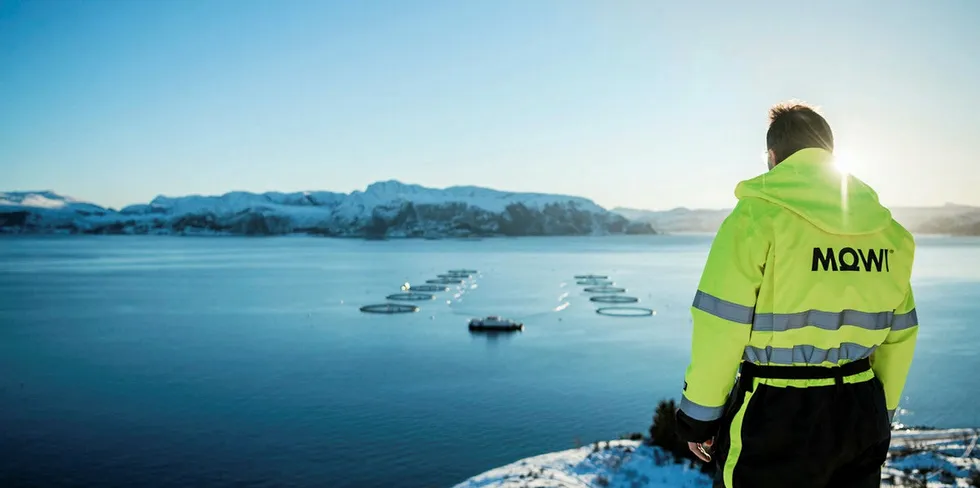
column 806, row 294
column 837, row 270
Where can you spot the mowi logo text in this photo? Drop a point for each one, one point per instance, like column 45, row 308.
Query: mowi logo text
column 849, row 259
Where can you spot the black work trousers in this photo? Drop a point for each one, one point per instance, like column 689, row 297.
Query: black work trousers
column 833, row 436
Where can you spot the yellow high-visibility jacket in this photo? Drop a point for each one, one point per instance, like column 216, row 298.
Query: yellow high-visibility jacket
column 808, row 269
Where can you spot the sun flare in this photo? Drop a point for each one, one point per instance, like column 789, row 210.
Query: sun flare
column 843, row 162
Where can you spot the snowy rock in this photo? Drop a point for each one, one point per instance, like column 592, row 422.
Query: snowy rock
column 943, row 458
column 933, row 458
column 624, row 464
column 384, row 209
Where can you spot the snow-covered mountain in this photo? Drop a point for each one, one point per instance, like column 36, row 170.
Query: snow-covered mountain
column 47, row 201
column 26, row 211
column 384, row 209
column 679, row 219
column 948, row 219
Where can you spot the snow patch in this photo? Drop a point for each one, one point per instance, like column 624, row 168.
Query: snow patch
column 623, row 464
column 45, row 200
column 944, row 458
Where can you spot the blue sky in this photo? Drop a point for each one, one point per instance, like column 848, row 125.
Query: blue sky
column 631, row 103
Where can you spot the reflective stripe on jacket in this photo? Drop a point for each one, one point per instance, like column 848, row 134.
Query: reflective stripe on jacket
column 808, row 269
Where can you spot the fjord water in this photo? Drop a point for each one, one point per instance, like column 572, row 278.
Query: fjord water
column 164, row 361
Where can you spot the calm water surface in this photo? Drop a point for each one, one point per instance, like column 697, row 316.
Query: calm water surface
column 161, row 361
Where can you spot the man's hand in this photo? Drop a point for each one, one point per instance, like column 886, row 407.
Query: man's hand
column 702, row 450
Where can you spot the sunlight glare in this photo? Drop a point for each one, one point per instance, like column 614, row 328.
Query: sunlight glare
column 843, row 161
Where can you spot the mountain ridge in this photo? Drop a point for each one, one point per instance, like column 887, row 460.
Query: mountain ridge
column 391, row 208
column 949, row 219
column 383, row 209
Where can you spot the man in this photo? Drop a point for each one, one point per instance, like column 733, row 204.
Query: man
column 806, row 296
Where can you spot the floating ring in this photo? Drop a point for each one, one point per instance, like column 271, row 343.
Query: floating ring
column 595, row 282
column 389, row 308
column 411, row 296
column 453, row 276
column 604, row 289
column 444, row 281
column 625, row 311
column 464, row 271
column 428, row 288
column 591, row 277
column 614, row 299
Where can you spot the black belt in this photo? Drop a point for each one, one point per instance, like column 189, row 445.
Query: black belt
column 750, row 371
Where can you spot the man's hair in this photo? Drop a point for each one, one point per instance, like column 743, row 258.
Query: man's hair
column 794, row 126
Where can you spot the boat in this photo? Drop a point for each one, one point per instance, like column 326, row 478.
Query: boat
column 494, row 322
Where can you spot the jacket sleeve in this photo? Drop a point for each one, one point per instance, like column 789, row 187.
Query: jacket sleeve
column 892, row 359
column 723, row 309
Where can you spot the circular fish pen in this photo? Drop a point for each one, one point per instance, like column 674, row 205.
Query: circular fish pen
column 428, row 288
column 389, row 308
column 444, row 281
column 463, row 271
column 625, row 311
column 591, row 277
column 614, row 299
column 411, row 297
column 453, row 276
column 595, row 282
column 604, row 289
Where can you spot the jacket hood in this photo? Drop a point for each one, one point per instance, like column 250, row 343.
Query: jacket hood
column 807, row 184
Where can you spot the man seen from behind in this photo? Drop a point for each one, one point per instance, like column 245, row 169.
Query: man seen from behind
column 806, row 299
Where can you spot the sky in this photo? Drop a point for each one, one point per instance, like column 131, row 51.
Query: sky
column 643, row 104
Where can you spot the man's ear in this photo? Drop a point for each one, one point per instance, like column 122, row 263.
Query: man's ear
column 772, row 159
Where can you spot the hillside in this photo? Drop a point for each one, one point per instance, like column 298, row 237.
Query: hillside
column 384, row 209
column 949, row 219
column 942, row 458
